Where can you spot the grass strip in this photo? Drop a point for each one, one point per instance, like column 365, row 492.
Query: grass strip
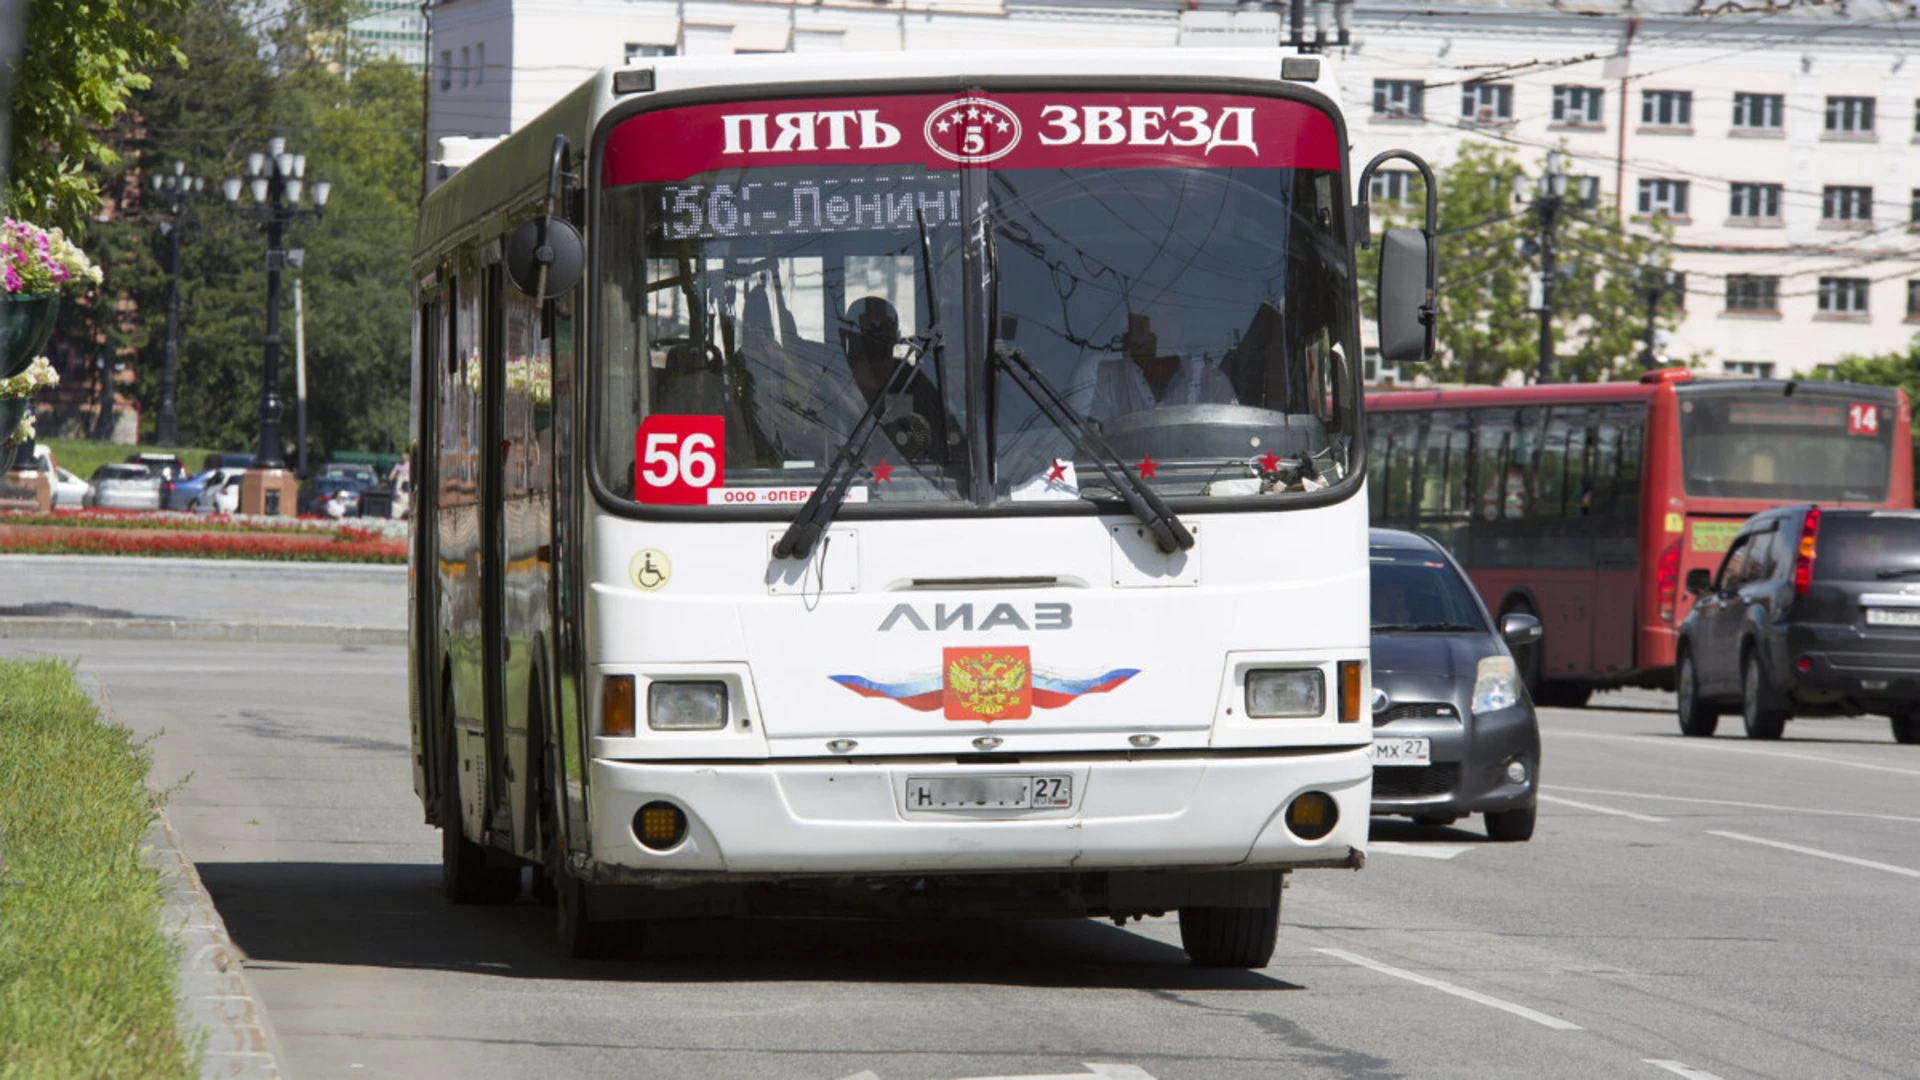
column 87, row 976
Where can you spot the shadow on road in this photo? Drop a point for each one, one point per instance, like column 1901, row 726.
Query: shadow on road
column 392, row 915
column 1406, row 831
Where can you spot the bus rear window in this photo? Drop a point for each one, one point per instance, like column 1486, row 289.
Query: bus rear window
column 1762, row 445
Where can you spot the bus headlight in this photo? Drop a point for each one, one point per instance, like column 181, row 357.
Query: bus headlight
column 1301, row 692
column 687, row 706
column 1496, row 684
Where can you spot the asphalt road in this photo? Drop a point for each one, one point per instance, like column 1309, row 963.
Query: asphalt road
column 1695, row 908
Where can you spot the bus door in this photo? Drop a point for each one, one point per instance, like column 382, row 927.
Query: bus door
column 493, row 638
column 1608, row 495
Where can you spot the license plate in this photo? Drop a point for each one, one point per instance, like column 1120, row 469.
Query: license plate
column 1877, row 616
column 989, row 792
column 1400, row 752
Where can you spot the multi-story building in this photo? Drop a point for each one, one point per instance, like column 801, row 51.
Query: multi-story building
column 1779, row 145
column 384, row 30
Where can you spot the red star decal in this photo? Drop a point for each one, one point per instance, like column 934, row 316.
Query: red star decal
column 882, row 473
column 1057, row 474
column 1147, row 466
column 1269, row 463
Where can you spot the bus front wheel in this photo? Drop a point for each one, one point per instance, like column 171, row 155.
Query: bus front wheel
column 466, row 875
column 1231, row 937
column 581, row 935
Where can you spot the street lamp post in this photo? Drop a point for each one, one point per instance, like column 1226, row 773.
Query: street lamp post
column 1655, row 285
column 175, row 191
column 277, row 180
column 1549, row 198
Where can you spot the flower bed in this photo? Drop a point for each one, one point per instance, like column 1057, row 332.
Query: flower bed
column 337, row 545
column 182, row 521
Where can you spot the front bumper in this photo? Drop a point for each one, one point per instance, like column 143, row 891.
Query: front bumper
column 1468, row 773
column 793, row 819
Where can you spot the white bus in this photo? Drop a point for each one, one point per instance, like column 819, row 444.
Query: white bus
column 900, row 485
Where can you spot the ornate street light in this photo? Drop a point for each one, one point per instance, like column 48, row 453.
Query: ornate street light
column 173, row 191
column 277, row 181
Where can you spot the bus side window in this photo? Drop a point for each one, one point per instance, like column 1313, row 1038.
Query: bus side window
column 1376, row 464
column 1402, row 438
column 1444, row 497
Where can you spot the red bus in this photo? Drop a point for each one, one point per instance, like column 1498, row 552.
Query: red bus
column 1586, row 504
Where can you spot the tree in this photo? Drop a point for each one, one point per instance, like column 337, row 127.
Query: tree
column 82, row 61
column 244, row 85
column 1489, row 241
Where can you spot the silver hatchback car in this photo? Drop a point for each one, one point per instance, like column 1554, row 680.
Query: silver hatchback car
column 1454, row 732
column 126, row 486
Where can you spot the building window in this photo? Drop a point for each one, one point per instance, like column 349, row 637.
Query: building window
column 479, row 63
column 466, row 65
column 1843, row 295
column 1913, row 300
column 1399, row 99
column 446, row 69
column 1486, row 103
column 1755, row 202
column 1759, row 112
column 1663, row 197
column 1667, row 108
column 1746, row 292
column 1577, row 106
column 1846, row 203
column 1850, row 116
column 1393, row 187
column 1914, row 221
column 1755, row 369
column 638, row 52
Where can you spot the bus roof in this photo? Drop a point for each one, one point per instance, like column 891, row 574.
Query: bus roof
column 1605, row 393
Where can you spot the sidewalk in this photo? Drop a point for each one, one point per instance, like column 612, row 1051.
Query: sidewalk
column 128, row 597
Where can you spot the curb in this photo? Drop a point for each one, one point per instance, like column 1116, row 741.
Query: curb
column 215, row 1005
column 215, row 999
column 191, row 630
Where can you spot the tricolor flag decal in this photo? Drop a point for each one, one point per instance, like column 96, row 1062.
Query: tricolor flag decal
column 967, row 686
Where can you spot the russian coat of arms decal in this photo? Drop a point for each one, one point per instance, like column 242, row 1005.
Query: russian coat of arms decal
column 987, row 684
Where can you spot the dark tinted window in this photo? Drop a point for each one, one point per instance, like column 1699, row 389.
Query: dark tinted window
column 1413, row 588
column 1854, row 546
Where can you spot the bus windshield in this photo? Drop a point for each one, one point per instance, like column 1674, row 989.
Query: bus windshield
column 1763, row 445
column 1194, row 307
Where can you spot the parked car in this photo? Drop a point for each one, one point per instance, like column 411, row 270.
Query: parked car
column 235, row 462
column 216, row 491
column 167, row 466
column 1813, row 611
column 336, row 489
column 126, row 487
column 1454, row 732
column 69, row 491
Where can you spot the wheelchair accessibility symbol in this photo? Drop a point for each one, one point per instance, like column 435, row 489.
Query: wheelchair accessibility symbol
column 649, row 569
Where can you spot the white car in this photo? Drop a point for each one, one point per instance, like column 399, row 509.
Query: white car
column 123, row 486
column 69, row 491
column 215, row 491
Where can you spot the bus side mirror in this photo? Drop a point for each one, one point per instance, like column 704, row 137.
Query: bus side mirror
column 1519, row 628
column 560, row 252
column 1699, row 581
column 1406, row 305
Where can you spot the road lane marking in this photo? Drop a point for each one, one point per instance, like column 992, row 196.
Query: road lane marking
column 1422, row 851
column 1707, row 744
column 1680, row 1068
column 1742, row 805
column 1598, row 809
column 1431, row 983
column 1097, row 1071
column 1818, row 854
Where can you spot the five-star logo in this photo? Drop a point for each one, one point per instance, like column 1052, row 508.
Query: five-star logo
column 972, row 130
column 987, row 684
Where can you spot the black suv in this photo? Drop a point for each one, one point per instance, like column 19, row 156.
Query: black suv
column 1813, row 612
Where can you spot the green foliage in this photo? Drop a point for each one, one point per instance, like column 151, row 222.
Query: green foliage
column 82, row 61
column 1486, row 330
column 245, row 84
column 86, row 973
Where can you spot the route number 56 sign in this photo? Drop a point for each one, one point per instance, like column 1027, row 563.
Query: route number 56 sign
column 677, row 458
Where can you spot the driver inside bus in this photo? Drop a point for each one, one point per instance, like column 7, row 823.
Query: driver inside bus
column 1155, row 368
column 913, row 418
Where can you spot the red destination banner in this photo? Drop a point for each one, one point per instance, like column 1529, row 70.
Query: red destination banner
column 1006, row 131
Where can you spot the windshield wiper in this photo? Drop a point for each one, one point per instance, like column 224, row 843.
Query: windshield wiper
column 1145, row 503
column 1903, row 571
column 814, row 517
column 1426, row 628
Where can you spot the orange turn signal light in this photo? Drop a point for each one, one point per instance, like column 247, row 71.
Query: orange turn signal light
column 1350, row 691
column 616, row 706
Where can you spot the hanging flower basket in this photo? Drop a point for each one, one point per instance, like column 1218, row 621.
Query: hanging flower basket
column 26, row 321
